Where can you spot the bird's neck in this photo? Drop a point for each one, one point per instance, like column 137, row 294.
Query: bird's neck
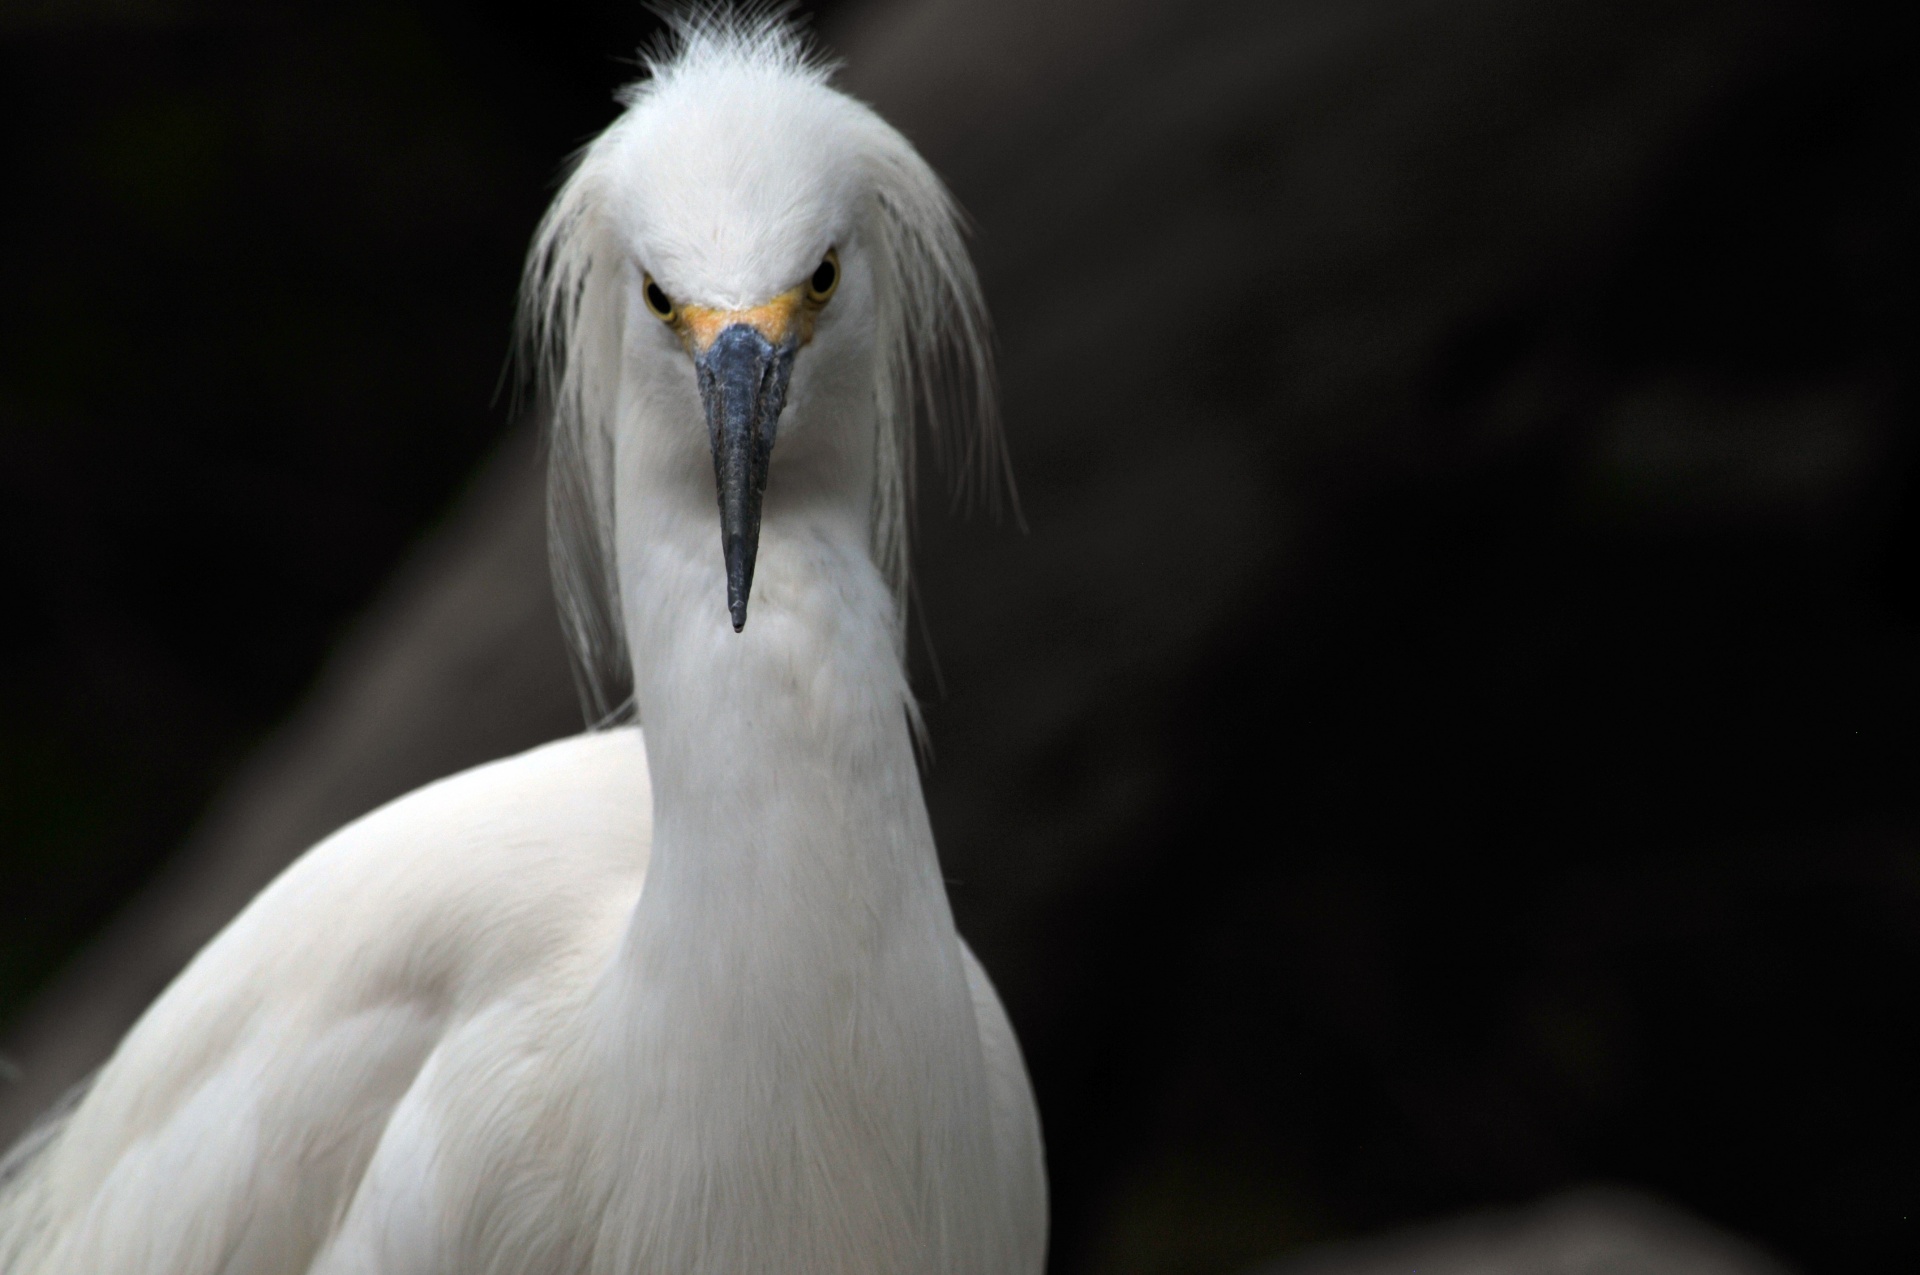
column 793, row 1024
column 790, row 832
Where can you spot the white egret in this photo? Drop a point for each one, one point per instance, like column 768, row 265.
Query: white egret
column 692, row 1003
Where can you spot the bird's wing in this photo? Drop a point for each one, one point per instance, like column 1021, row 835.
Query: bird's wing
column 234, row 1123
column 1016, row 1123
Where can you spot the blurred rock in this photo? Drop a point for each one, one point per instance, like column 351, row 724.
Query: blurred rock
column 1589, row 1232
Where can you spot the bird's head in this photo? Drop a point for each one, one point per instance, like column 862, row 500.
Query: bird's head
column 748, row 264
column 742, row 199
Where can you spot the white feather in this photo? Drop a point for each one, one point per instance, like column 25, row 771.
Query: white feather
column 573, row 1011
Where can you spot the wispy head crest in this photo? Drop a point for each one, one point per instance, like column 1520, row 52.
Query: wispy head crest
column 768, row 37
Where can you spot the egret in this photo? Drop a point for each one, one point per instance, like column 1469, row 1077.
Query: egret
column 680, row 997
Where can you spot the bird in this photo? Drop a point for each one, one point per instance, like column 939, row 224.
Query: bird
column 683, row 993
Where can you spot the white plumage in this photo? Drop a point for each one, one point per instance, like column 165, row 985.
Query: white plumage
column 694, row 1005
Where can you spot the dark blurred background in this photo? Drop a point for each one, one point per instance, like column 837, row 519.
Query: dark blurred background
column 1446, row 734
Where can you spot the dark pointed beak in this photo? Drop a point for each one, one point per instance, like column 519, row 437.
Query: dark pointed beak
column 743, row 382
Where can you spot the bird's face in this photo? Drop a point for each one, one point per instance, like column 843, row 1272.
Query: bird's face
column 749, row 275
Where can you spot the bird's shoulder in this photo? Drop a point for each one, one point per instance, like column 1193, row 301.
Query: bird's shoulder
column 507, row 883
column 466, row 884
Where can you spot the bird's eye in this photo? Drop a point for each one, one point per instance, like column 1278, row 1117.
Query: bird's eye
column 658, row 301
column 826, row 277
